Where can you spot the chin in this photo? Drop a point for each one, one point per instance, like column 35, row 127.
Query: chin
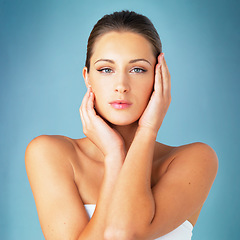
column 121, row 123
column 119, row 120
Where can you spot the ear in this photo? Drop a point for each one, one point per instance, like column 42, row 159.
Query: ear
column 86, row 78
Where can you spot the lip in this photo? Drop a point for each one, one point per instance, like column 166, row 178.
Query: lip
column 120, row 104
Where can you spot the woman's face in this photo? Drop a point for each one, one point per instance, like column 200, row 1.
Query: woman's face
column 121, row 76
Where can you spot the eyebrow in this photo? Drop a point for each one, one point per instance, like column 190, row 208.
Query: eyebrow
column 131, row 61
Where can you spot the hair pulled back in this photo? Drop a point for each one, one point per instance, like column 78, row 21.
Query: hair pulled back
column 124, row 21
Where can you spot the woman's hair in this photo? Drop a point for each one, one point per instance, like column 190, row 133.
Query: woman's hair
column 124, row 21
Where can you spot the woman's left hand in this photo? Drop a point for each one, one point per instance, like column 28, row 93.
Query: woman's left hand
column 158, row 105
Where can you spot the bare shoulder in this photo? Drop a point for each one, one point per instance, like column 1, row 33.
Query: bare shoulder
column 50, row 153
column 50, row 147
column 195, row 150
column 51, row 175
column 199, row 153
column 197, row 146
column 198, row 157
column 185, row 173
column 192, row 156
column 50, row 142
column 192, row 164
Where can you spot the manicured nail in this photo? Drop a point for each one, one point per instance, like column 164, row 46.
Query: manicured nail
column 162, row 57
column 160, row 60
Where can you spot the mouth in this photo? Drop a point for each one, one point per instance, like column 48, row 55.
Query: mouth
column 120, row 104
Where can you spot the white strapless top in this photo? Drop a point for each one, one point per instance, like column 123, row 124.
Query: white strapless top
column 183, row 232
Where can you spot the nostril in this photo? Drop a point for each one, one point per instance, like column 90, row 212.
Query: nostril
column 121, row 88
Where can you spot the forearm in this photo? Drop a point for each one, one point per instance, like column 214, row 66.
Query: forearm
column 96, row 226
column 132, row 199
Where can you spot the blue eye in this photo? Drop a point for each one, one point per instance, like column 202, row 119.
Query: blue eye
column 105, row 70
column 139, row 70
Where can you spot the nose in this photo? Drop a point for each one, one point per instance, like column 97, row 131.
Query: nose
column 122, row 84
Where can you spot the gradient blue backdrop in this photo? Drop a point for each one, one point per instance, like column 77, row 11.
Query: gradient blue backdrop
column 42, row 53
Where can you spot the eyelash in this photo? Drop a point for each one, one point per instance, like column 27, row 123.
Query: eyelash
column 104, row 69
column 141, row 70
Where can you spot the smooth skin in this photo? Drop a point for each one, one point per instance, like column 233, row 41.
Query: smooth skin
column 143, row 189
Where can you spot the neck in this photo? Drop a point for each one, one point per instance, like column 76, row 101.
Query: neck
column 127, row 132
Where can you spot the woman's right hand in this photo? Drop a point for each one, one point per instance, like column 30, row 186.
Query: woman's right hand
column 108, row 140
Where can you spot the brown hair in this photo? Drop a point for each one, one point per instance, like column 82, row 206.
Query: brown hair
column 124, row 21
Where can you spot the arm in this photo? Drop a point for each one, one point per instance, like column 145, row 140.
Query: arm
column 96, row 226
column 132, row 201
column 61, row 211
column 148, row 214
column 112, row 147
column 183, row 189
column 135, row 176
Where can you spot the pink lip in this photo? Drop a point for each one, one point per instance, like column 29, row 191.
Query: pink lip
column 120, row 104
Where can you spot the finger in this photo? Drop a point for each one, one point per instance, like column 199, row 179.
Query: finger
column 158, row 84
column 83, row 111
column 166, row 77
column 84, row 101
column 82, row 118
column 90, row 104
column 166, row 70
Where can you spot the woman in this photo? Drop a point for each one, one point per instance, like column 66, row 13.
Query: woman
column 142, row 189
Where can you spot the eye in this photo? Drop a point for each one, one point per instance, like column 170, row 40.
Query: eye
column 105, row 70
column 138, row 70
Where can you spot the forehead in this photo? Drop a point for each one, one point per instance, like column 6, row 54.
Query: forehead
column 122, row 44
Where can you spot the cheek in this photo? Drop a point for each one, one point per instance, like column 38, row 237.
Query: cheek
column 148, row 87
column 96, row 87
column 100, row 88
column 147, row 94
column 101, row 94
column 147, row 90
column 99, row 85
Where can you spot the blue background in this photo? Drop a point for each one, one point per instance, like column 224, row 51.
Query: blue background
column 42, row 53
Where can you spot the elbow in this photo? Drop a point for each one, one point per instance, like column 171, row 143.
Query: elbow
column 118, row 234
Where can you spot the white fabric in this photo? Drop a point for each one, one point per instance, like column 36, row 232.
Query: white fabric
column 183, row 232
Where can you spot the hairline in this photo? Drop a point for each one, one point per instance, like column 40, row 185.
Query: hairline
column 117, row 30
